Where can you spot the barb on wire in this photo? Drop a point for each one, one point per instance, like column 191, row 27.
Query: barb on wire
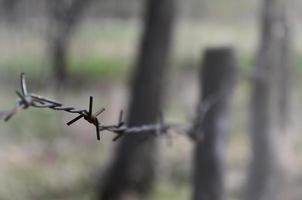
column 91, row 118
column 27, row 100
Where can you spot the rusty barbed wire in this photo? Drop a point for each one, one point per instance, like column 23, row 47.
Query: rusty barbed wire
column 27, row 100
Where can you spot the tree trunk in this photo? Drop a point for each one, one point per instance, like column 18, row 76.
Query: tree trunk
column 8, row 8
column 132, row 172
column 211, row 125
column 59, row 49
column 64, row 17
column 285, row 65
column 266, row 174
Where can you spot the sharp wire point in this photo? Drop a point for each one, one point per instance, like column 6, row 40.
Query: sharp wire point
column 98, row 130
column 23, row 84
column 10, row 114
column 117, row 137
column 8, row 117
column 20, row 95
column 99, row 112
column 120, row 120
column 90, row 105
column 74, row 120
column 3, row 114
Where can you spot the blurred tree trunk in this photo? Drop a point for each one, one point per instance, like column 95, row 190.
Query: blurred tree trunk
column 269, row 101
column 132, row 172
column 285, row 65
column 211, row 125
column 8, row 9
column 64, row 17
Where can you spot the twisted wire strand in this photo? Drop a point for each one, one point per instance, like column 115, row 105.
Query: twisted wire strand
column 158, row 127
column 42, row 102
column 27, row 100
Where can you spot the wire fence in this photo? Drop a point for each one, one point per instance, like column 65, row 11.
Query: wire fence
column 27, row 100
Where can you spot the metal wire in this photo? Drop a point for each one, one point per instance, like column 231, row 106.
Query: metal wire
column 27, row 100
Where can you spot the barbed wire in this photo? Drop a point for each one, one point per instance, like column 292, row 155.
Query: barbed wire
column 27, row 100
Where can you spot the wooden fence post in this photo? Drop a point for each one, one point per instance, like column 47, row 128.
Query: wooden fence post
column 212, row 123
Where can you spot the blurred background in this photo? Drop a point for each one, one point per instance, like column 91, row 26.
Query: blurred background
column 73, row 49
